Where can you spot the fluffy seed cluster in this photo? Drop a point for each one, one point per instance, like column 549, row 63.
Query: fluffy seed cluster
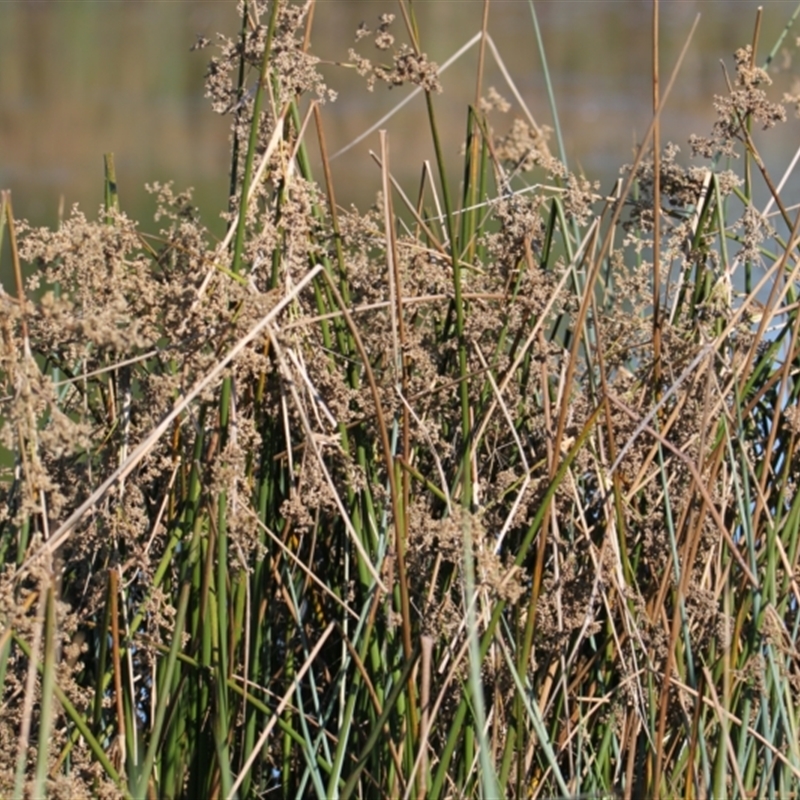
column 408, row 64
column 746, row 100
column 289, row 457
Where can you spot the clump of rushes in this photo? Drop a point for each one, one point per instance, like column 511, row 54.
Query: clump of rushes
column 501, row 501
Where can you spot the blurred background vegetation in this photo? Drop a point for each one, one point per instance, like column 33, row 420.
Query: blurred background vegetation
column 79, row 79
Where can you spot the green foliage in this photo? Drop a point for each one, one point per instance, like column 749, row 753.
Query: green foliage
column 490, row 493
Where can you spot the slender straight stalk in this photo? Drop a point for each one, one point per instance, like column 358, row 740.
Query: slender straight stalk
column 253, row 141
column 460, row 311
column 146, row 772
column 656, row 207
column 48, row 696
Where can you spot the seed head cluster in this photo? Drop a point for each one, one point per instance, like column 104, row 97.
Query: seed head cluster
column 365, row 429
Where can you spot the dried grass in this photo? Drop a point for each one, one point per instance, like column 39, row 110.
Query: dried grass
column 422, row 501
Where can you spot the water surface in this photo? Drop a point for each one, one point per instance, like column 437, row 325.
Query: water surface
column 78, row 79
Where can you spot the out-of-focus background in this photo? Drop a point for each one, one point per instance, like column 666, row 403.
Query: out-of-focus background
column 78, row 79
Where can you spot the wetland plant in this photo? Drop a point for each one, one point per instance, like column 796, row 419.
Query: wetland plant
column 487, row 492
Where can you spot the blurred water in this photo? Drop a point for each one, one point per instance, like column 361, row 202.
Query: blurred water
column 81, row 78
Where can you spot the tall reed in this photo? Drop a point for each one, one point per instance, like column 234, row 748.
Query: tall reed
column 488, row 492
